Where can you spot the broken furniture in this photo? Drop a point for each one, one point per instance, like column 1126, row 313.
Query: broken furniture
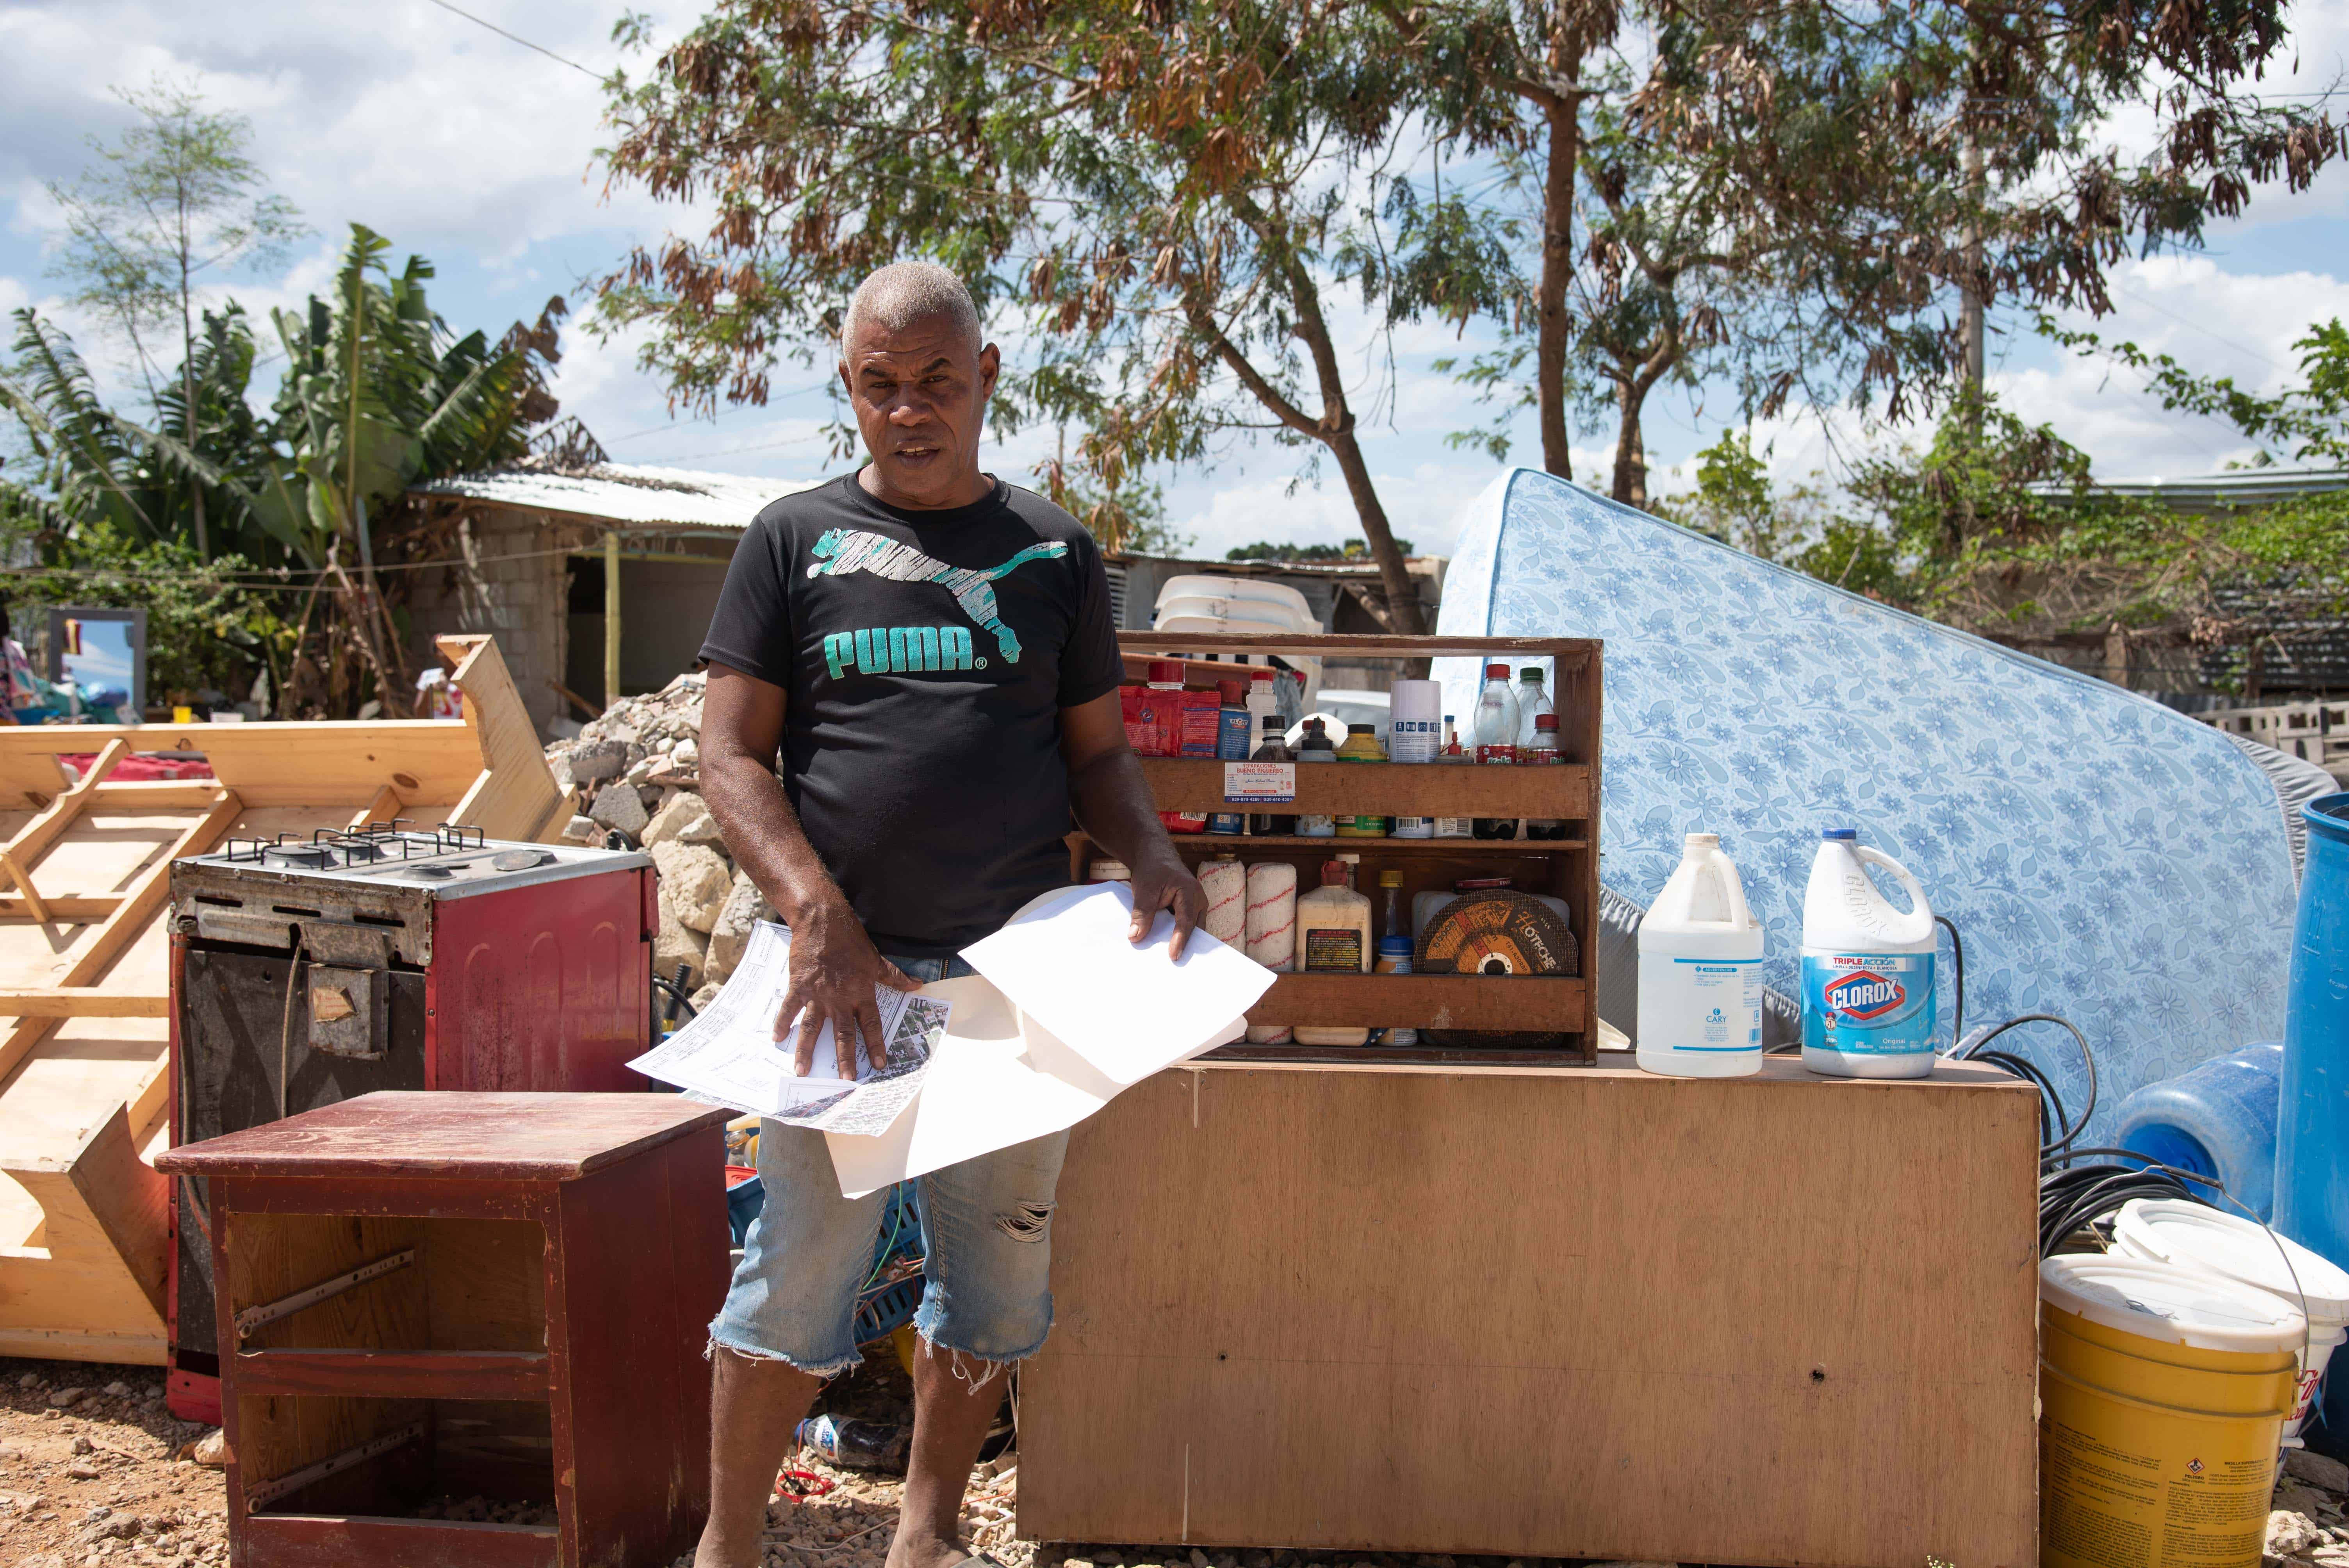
column 315, row 969
column 84, row 962
column 449, row 1295
column 1519, row 1312
column 1566, row 868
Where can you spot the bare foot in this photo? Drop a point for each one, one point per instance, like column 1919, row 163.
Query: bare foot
column 912, row 1549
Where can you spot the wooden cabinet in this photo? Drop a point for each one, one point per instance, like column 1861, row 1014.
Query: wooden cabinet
column 1505, row 1310
column 1565, row 868
column 444, row 1296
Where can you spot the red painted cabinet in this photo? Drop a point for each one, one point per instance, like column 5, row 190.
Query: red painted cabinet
column 430, row 1297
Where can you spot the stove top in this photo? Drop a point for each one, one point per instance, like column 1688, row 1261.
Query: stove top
column 449, row 860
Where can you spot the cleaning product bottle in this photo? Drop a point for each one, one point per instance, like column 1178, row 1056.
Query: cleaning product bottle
column 1315, row 747
column 1868, row 967
column 1333, row 924
column 1361, row 746
column 1701, row 971
column 1274, row 748
column 1232, row 738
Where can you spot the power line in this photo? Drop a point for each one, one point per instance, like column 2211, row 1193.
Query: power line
column 518, row 38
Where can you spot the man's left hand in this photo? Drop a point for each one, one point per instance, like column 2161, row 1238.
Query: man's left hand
column 1163, row 882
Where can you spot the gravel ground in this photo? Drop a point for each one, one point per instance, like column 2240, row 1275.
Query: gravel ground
column 91, row 1471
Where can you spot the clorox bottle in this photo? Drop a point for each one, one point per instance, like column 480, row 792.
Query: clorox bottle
column 1701, row 971
column 1868, row 967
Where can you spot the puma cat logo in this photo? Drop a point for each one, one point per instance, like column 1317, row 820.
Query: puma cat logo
column 842, row 551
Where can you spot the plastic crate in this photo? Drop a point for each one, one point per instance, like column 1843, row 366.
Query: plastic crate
column 900, row 1235
column 882, row 1309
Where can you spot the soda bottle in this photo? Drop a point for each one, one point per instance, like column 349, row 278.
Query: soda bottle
column 1543, row 749
column 1533, row 701
column 857, row 1445
column 1496, row 740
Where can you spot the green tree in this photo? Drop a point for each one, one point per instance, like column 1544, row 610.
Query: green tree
column 172, row 202
column 1791, row 191
column 1172, row 195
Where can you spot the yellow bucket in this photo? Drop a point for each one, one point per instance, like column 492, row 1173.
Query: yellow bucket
column 2162, row 1395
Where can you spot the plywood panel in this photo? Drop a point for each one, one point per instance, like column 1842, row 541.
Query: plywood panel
column 1587, row 1313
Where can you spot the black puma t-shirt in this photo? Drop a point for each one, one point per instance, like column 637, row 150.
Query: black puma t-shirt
column 927, row 657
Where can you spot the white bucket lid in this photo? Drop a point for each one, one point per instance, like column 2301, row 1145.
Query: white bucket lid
column 2197, row 1236
column 2174, row 1306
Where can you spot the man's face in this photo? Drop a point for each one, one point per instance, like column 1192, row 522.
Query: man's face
column 920, row 394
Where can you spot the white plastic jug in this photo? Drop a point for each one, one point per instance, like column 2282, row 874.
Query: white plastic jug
column 1701, row 971
column 1868, row 967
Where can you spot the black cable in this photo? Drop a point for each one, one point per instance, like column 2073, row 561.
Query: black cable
column 2072, row 1196
column 1958, row 969
column 2049, row 1100
column 2069, row 1130
column 678, row 998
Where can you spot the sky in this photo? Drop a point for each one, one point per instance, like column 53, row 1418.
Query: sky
column 480, row 153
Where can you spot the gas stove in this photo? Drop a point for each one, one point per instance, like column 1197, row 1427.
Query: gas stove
column 453, row 861
column 314, row 967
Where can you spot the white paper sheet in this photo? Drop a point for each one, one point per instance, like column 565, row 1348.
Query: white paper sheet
column 1128, row 1010
column 728, row 1053
column 1064, row 1013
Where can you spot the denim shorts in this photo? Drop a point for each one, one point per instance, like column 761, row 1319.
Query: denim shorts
column 986, row 1244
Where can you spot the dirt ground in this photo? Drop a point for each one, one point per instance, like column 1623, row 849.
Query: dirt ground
column 93, row 1471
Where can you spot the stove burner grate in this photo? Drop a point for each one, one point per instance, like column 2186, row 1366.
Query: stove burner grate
column 333, row 849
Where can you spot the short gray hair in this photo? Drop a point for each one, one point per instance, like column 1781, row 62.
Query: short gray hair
column 896, row 297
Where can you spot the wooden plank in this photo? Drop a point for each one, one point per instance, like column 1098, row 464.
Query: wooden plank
column 34, row 839
column 1595, row 1314
column 1560, row 790
column 140, row 905
column 395, row 1374
column 383, row 807
column 1427, row 1000
column 81, row 1002
column 431, row 761
column 485, row 1137
column 103, row 1232
column 515, row 793
column 63, row 909
column 22, row 879
column 345, row 1540
column 149, row 794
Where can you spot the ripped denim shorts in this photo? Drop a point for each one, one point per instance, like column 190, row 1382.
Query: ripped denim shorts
column 986, row 1242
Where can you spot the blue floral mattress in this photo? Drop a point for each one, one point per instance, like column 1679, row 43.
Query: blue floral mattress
column 2106, row 858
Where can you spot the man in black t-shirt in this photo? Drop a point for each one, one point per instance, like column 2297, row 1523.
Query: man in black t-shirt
column 930, row 654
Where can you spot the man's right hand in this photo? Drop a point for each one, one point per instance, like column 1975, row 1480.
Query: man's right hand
column 833, row 968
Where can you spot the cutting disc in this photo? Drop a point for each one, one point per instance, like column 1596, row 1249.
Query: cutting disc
column 1497, row 933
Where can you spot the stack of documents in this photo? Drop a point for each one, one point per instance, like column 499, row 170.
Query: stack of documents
column 1064, row 1013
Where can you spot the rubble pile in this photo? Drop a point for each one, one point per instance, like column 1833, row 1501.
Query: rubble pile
column 635, row 771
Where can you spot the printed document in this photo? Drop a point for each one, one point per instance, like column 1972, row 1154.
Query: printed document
column 728, row 1054
column 1063, row 1013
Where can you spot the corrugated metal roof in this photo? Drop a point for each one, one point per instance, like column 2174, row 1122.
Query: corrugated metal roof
column 631, row 494
column 2235, row 488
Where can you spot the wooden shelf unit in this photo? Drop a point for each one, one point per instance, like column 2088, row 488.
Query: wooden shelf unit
column 465, row 1295
column 1565, row 868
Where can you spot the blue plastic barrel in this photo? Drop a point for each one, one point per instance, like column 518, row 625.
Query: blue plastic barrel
column 2218, row 1120
column 2312, row 1137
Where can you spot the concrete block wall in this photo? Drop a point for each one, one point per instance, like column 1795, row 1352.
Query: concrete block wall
column 517, row 592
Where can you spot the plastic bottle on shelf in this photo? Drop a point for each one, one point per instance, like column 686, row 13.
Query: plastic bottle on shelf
column 1496, row 740
column 1868, row 967
column 1361, row 746
column 1315, row 747
column 1451, row 754
column 1395, row 958
column 1274, row 747
column 1392, row 923
column 1231, row 738
column 1533, row 701
column 1167, row 677
column 1263, row 699
column 1540, row 751
column 1334, row 925
column 1414, row 735
column 1701, row 971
